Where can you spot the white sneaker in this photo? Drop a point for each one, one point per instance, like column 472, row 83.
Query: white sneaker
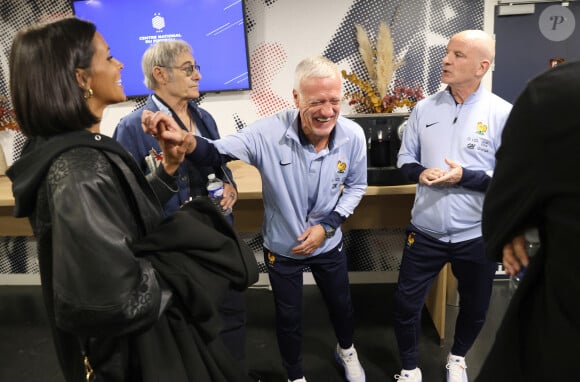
column 456, row 369
column 298, row 380
column 348, row 359
column 409, row 375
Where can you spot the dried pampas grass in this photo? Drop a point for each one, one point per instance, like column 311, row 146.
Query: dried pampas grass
column 386, row 64
column 379, row 61
column 366, row 51
column 376, row 94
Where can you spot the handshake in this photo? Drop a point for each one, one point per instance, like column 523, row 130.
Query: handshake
column 174, row 141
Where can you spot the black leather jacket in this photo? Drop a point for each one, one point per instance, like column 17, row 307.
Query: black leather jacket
column 87, row 204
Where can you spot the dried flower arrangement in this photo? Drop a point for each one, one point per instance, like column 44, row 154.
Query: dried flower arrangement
column 7, row 117
column 375, row 96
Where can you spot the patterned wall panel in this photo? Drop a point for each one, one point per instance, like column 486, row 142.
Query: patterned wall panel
column 18, row 255
column 420, row 31
column 15, row 15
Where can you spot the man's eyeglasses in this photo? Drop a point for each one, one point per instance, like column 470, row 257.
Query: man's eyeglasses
column 187, row 69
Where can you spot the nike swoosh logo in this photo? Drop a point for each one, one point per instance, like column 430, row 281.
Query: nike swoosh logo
column 284, row 164
column 340, row 248
column 431, row 124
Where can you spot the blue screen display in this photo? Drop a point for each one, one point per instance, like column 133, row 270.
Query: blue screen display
column 214, row 28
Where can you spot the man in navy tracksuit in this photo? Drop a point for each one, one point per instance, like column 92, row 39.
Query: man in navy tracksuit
column 449, row 147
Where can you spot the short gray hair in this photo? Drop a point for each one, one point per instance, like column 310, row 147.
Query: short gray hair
column 314, row 67
column 163, row 53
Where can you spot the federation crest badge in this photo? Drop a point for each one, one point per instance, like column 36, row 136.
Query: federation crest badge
column 411, row 239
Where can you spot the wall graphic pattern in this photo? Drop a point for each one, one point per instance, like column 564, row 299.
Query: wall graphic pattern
column 15, row 15
column 420, row 31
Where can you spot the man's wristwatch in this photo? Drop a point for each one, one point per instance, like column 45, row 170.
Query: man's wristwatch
column 328, row 231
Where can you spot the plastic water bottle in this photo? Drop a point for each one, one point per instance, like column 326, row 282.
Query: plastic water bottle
column 532, row 237
column 215, row 191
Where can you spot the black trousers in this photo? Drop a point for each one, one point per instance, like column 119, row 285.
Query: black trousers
column 330, row 271
column 423, row 258
column 233, row 314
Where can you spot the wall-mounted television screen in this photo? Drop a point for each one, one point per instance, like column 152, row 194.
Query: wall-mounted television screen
column 214, row 28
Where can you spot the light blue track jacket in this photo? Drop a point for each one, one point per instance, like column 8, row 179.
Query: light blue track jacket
column 293, row 173
column 468, row 133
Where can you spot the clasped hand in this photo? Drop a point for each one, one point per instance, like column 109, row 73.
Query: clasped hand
column 310, row 240
column 439, row 177
column 174, row 141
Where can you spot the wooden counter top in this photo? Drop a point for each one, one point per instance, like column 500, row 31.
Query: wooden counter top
column 381, row 207
column 9, row 225
column 6, row 198
column 250, row 183
column 247, row 178
column 250, row 205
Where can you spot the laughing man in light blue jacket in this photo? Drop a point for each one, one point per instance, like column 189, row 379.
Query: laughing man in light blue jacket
column 313, row 167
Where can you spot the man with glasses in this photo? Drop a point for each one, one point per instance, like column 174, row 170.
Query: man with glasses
column 188, row 69
column 173, row 75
